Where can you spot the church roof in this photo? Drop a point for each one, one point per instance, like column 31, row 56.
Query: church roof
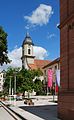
column 27, row 39
column 39, row 64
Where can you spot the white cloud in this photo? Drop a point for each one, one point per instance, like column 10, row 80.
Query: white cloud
column 49, row 36
column 40, row 16
column 27, row 27
column 40, row 52
column 4, row 67
column 15, row 56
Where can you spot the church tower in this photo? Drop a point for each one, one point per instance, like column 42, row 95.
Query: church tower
column 27, row 52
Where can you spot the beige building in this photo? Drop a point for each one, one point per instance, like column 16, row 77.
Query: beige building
column 54, row 65
column 1, row 80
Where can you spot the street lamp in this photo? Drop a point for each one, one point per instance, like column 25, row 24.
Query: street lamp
column 10, row 90
column 15, row 87
column 10, row 87
column 15, row 83
column 15, row 73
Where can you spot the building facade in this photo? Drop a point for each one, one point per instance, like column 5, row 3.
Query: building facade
column 54, row 65
column 1, row 80
column 66, row 91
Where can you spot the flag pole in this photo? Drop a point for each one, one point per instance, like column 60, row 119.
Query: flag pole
column 53, row 92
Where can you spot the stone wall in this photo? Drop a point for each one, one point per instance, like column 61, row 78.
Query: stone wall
column 66, row 91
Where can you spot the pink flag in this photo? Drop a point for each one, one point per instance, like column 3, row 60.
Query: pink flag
column 50, row 77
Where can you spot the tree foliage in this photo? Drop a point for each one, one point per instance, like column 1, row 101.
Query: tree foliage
column 24, row 79
column 9, row 75
column 38, row 86
column 3, row 47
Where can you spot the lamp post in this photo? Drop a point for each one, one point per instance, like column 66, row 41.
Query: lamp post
column 10, row 87
column 10, row 90
column 15, row 83
column 15, row 86
column 15, row 73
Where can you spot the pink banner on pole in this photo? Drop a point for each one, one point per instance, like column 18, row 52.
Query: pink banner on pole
column 50, row 77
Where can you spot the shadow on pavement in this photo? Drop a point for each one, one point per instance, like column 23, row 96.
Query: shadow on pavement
column 47, row 112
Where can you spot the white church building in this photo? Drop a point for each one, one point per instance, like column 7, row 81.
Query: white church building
column 28, row 58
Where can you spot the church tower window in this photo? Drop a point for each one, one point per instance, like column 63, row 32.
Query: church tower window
column 29, row 51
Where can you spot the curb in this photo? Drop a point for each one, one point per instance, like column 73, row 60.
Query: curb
column 13, row 112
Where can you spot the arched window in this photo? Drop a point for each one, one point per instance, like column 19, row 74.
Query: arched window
column 29, row 51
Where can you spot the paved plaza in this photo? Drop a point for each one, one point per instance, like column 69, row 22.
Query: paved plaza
column 43, row 109
column 4, row 115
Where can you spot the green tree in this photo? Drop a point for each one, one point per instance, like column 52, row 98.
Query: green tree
column 3, row 47
column 24, row 79
column 38, row 86
column 9, row 75
column 37, row 72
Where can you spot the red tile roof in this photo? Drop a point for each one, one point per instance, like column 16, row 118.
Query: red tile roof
column 52, row 62
column 39, row 64
column 32, row 66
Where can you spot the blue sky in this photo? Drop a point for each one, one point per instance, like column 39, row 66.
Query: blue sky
column 39, row 17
